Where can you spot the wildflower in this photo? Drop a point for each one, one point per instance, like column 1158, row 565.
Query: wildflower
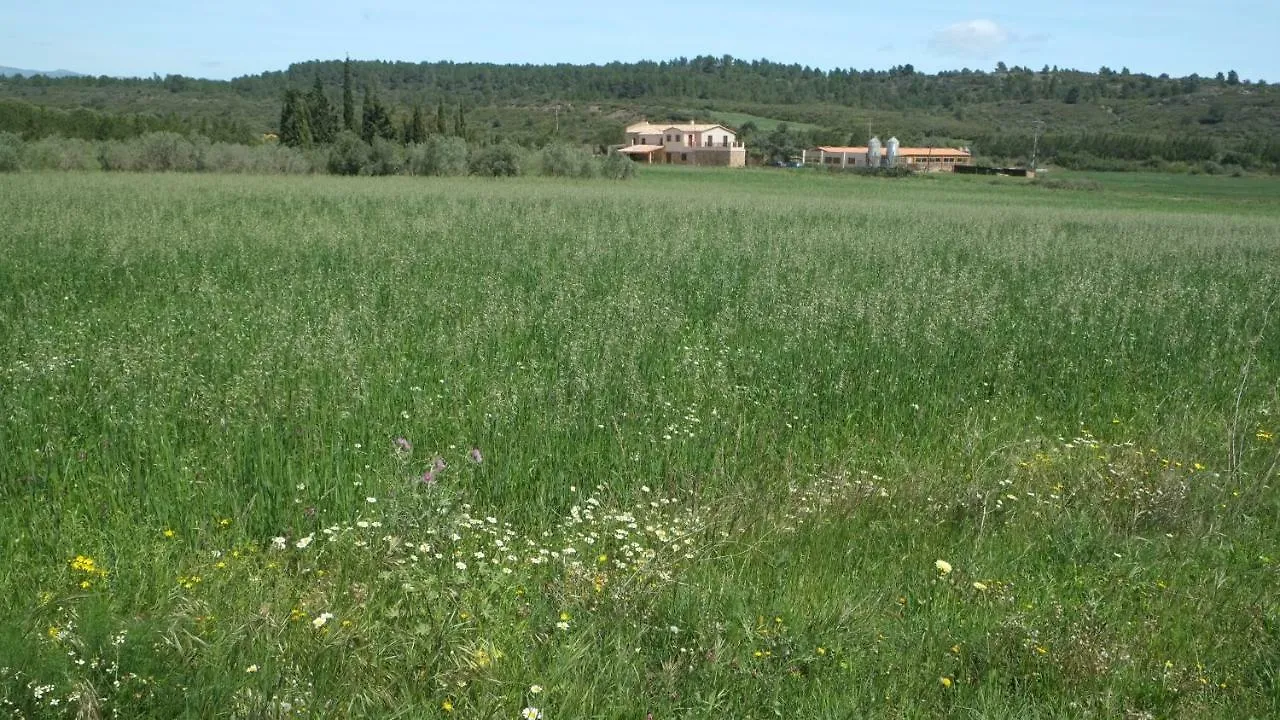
column 477, row 458
column 535, row 689
column 460, row 565
column 87, row 565
column 429, row 478
column 251, row 669
column 278, row 543
column 822, row 650
column 980, row 587
column 944, row 567
column 438, row 464
column 224, row 522
column 371, row 500
column 321, row 619
column 403, row 445
column 304, row 542
column 169, row 533
column 562, row 625
column 531, row 713
column 447, row 706
column 53, row 632
column 946, row 681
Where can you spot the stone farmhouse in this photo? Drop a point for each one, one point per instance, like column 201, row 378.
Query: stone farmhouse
column 684, row 144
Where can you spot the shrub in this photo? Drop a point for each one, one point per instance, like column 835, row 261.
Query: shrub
column 166, row 151
column 119, row 155
column 501, row 160
column 10, row 152
column 617, row 166
column 59, row 153
column 439, row 155
column 385, row 158
column 349, row 154
column 560, row 160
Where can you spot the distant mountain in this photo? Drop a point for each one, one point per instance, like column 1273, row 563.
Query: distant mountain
column 6, row 71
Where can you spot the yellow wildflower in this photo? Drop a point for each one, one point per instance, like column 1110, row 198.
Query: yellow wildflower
column 447, row 706
column 944, row 567
column 946, row 681
column 169, row 533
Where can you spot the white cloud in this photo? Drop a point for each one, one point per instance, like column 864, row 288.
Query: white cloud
column 978, row 38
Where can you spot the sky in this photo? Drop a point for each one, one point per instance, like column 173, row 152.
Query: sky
column 229, row 38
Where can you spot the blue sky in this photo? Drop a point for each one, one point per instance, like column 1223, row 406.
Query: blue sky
column 223, row 39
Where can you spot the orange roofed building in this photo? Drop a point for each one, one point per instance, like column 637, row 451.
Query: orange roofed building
column 684, row 144
column 922, row 159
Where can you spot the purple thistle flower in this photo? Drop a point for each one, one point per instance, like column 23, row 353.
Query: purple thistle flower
column 404, row 445
column 429, row 478
column 476, row 457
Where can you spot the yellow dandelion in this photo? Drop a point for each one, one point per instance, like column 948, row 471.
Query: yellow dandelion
column 169, row 533
column 85, row 584
column 53, row 632
column 447, row 706
column 946, row 681
column 944, row 567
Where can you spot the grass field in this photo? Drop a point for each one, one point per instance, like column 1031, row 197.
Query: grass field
column 704, row 444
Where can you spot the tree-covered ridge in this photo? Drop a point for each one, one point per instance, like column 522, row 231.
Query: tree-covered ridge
column 1107, row 114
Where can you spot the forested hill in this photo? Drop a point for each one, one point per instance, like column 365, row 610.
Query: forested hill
column 1084, row 116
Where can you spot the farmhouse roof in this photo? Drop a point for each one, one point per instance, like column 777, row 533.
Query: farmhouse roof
column 902, row 151
column 647, row 128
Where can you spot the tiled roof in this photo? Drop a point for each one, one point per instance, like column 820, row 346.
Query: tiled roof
column 647, row 128
column 902, row 151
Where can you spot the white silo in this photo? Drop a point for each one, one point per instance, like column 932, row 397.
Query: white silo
column 891, row 152
column 873, row 152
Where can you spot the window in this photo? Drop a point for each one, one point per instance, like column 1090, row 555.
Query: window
column 683, row 157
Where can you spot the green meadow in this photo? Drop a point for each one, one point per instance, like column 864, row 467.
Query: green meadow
column 705, row 444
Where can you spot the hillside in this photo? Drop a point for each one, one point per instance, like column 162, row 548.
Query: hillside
column 1103, row 115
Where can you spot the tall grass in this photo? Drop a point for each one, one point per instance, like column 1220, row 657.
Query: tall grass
column 725, row 427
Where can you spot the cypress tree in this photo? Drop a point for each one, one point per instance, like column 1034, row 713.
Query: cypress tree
column 348, row 98
column 460, row 124
column 376, row 122
column 417, row 126
column 295, row 127
column 440, row 124
column 324, row 126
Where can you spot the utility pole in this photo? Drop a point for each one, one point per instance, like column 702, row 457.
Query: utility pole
column 1036, row 127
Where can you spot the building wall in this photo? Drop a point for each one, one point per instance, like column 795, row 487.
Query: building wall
column 723, row 157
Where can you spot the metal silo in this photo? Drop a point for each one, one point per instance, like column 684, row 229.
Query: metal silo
column 873, row 152
column 891, row 160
